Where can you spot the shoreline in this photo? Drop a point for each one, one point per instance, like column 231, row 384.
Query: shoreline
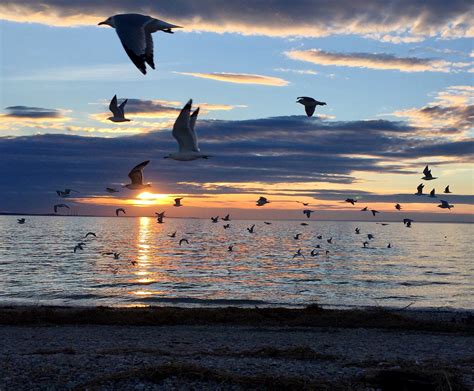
column 230, row 348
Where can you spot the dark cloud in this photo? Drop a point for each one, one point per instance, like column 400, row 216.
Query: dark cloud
column 25, row 112
column 391, row 20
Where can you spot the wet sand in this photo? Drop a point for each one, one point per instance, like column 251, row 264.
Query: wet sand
column 233, row 348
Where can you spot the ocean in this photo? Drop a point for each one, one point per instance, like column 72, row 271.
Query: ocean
column 429, row 265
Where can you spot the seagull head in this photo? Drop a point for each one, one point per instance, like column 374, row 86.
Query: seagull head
column 109, row 22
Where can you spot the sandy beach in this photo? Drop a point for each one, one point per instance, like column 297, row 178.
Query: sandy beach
column 234, row 348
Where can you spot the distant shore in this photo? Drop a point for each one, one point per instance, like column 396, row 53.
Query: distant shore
column 234, row 348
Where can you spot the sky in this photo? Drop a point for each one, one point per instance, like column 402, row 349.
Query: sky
column 397, row 77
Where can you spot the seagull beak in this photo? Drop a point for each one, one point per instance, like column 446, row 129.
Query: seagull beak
column 101, row 23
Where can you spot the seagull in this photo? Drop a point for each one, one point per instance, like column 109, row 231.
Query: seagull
column 267, row 223
column 304, row 224
column 226, row 226
column 330, row 240
column 308, row 212
column 66, row 193
column 133, row 263
column 374, row 212
column 389, row 245
column 432, row 194
column 398, row 207
column 90, row 234
column 177, row 202
column 370, row 236
column 78, row 247
column 134, row 31
column 111, row 190
column 351, row 201
column 173, row 235
column 186, row 136
column 251, row 229
column 365, row 244
column 407, row 222
column 56, row 207
column 21, row 221
column 303, row 203
column 365, row 209
column 117, row 111
column 445, row 205
column 319, row 236
column 297, row 237
column 215, row 219
column 115, row 254
column 318, row 246
column 117, row 211
column 136, row 176
column 183, row 241
column 159, row 217
column 298, row 254
column 327, row 252
column 226, row 218
column 446, row 190
column 419, row 189
column 314, row 253
column 262, row 201
column 357, row 231
column 309, row 104
column 427, row 173
column 230, row 248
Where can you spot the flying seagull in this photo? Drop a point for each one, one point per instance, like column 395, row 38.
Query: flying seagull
column 370, row 236
column 251, row 229
column 117, row 211
column 329, row 240
column 309, row 104
column 262, row 201
column 357, row 231
column 319, row 237
column 90, row 234
column 226, row 226
column 304, row 224
column 183, row 241
column 365, row 244
column 432, row 194
column 177, row 202
column 115, row 254
column 303, row 203
column 56, row 207
column 134, row 31
column 298, row 254
column 159, row 217
column 374, row 212
column 446, row 190
column 186, row 136
column 173, row 235
column 297, row 237
column 111, row 190
column 314, row 253
column 136, row 176
column 117, row 111
column 215, row 219
column 226, row 218
column 78, row 247
column 419, row 189
column 66, row 193
column 230, row 248
column 21, row 221
column 389, row 245
column 267, row 223
column 407, row 222
column 351, row 201
column 445, row 205
column 398, row 207
column 365, row 209
column 308, row 212
column 427, row 174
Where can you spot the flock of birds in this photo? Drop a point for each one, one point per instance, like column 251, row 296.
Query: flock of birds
column 134, row 31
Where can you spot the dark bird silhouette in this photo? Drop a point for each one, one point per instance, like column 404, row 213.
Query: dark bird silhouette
column 111, row 190
column 365, row 244
column 230, row 248
column 21, row 221
column 90, row 234
column 226, row 218
column 447, row 191
column 267, row 223
column 357, row 231
column 115, row 254
column 78, row 246
column 370, row 236
column 303, row 203
column 389, row 246
column 66, row 193
column 183, row 241
column 226, row 226
column 177, row 202
column 364, row 209
column 262, row 201
column 407, row 222
column 215, row 219
column 159, row 217
column 56, row 207
column 251, row 229
column 173, row 235
column 297, row 237
column 445, row 205
column 319, row 237
column 419, row 189
column 309, row 104
column 398, row 207
column 314, row 253
column 351, row 201
column 329, row 240
column 374, row 212
column 298, row 254
column 117, row 211
column 427, row 175
column 304, row 224
column 432, row 194
column 308, row 212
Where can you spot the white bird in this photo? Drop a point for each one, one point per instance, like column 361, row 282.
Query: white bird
column 136, row 176
column 134, row 31
column 186, row 136
column 427, row 175
column 262, row 201
column 117, row 111
column 445, row 205
column 309, row 104
column 56, row 207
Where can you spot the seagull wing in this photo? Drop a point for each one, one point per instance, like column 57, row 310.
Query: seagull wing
column 122, row 107
column 182, row 131
column 114, row 108
column 136, row 175
column 133, row 37
column 427, row 172
column 310, row 110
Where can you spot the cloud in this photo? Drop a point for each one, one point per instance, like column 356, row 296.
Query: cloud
column 379, row 61
column 392, row 20
column 18, row 117
column 452, row 112
column 239, row 78
column 33, row 113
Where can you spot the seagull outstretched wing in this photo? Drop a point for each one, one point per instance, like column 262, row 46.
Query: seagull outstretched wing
column 310, row 110
column 131, row 31
column 183, row 132
column 136, row 175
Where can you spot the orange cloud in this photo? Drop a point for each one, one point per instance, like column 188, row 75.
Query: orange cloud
column 240, row 78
